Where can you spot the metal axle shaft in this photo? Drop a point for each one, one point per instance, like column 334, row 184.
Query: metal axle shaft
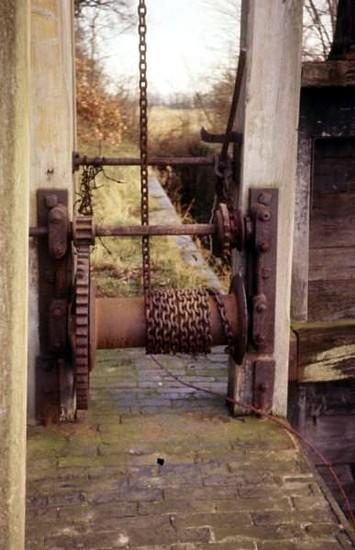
column 200, row 229
column 83, row 160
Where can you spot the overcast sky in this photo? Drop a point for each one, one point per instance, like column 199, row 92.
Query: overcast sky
column 188, row 41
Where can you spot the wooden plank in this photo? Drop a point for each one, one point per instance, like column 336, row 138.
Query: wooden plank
column 332, row 220
column 330, row 73
column 293, row 357
column 325, row 351
column 299, row 293
column 332, row 264
column 324, row 433
column 330, row 398
column 331, row 300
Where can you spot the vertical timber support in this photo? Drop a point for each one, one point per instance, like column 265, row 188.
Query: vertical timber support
column 52, row 143
column 268, row 118
column 14, row 170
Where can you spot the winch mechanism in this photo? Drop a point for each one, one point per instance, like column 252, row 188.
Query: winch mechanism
column 74, row 323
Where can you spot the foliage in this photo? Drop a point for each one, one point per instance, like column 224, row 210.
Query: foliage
column 98, row 113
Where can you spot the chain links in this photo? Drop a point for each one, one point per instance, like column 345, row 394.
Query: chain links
column 176, row 320
column 179, row 322
column 143, row 142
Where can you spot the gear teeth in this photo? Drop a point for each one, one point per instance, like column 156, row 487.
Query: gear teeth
column 82, row 326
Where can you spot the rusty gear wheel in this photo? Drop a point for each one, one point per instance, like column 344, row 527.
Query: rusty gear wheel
column 82, row 327
column 230, row 230
column 222, row 242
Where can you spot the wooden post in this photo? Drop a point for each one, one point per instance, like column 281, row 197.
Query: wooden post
column 52, row 144
column 268, row 119
column 14, row 172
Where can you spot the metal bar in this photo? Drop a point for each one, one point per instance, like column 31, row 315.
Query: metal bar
column 38, row 231
column 200, row 229
column 151, row 230
column 83, row 160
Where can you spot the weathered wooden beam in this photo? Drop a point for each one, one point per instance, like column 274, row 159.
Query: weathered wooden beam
column 14, row 175
column 325, row 351
column 268, row 119
column 330, row 73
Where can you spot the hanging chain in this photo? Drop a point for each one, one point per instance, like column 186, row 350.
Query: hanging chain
column 87, row 187
column 143, row 114
column 176, row 320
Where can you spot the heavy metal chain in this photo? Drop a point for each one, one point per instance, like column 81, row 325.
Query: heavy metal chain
column 143, row 107
column 179, row 322
column 176, row 320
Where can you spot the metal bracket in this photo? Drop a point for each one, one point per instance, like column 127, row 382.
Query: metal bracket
column 55, row 275
column 263, row 384
column 232, row 137
column 263, row 248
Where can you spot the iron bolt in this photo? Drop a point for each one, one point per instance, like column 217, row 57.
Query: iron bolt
column 57, row 312
column 264, row 216
column 259, row 339
column 56, row 216
column 266, row 273
column 261, row 307
column 264, row 246
column 51, row 200
column 264, row 198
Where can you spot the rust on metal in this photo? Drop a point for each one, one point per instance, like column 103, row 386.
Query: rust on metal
column 58, row 227
column 179, row 321
column 198, row 229
column 83, row 230
column 237, row 289
column 82, row 331
column 263, row 384
column 263, row 246
column 232, row 137
column 55, row 277
column 58, row 329
column 83, row 160
column 154, row 230
column 121, row 323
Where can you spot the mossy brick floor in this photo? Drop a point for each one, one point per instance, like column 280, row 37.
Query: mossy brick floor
column 222, row 484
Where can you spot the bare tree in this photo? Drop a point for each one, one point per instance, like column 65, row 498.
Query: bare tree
column 319, row 24
column 120, row 8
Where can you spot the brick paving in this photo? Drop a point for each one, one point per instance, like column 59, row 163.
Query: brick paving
column 155, row 465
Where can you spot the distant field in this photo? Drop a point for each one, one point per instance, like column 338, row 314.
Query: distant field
column 164, row 120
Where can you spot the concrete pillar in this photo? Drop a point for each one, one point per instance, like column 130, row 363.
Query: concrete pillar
column 268, row 118
column 52, row 139
column 14, row 172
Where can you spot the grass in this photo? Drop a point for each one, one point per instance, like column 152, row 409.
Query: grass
column 117, row 261
column 167, row 121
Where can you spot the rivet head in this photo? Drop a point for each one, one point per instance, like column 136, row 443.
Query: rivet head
column 259, row 339
column 51, row 200
column 264, row 216
column 264, row 198
column 261, row 307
